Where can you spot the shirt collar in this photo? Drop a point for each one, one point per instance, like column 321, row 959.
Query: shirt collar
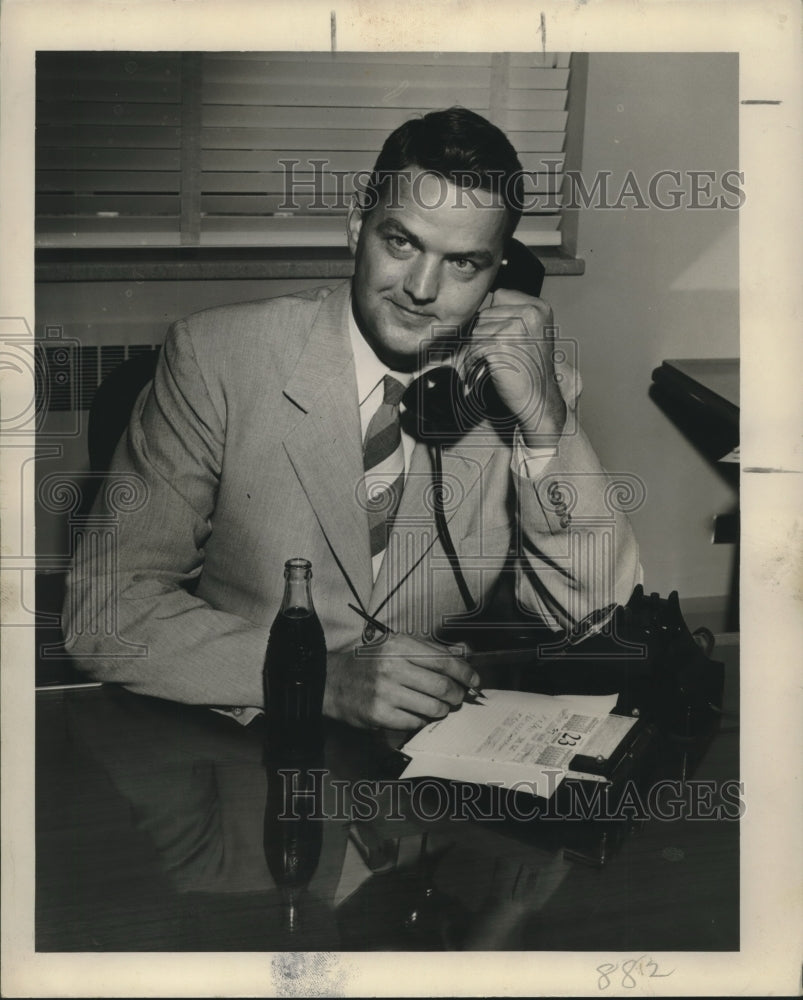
column 367, row 366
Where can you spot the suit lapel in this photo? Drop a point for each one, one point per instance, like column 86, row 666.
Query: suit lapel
column 325, row 446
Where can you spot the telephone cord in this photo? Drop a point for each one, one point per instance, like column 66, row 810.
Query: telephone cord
column 443, row 529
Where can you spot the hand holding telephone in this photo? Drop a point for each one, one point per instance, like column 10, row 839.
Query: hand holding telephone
column 442, row 404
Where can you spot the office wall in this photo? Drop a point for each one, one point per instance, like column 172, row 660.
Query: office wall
column 657, row 285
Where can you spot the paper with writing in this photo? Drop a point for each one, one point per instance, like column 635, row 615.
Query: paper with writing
column 515, row 739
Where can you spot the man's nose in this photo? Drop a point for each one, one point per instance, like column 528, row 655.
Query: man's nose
column 422, row 280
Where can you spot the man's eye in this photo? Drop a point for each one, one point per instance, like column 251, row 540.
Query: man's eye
column 464, row 265
column 399, row 242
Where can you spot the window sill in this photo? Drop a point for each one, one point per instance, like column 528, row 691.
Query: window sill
column 225, row 263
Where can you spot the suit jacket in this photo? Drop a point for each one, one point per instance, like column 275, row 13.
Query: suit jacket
column 246, row 451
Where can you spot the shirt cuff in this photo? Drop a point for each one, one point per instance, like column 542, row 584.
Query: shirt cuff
column 241, row 715
column 529, row 463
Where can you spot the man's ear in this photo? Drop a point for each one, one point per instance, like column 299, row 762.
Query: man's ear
column 354, row 223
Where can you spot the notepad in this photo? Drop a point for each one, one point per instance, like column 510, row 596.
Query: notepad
column 517, row 740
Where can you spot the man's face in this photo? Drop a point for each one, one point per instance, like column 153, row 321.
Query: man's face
column 425, row 258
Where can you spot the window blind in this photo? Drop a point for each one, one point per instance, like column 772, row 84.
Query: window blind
column 265, row 149
column 108, row 148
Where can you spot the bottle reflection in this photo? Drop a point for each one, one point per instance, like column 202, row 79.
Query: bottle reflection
column 293, row 829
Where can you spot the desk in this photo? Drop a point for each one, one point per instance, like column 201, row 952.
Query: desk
column 150, row 838
column 709, row 383
column 701, row 397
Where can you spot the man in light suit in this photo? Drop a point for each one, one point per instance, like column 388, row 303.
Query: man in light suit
column 250, row 446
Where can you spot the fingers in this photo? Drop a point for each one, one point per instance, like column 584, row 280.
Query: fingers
column 402, row 683
column 431, row 671
column 444, row 666
column 512, row 343
column 428, row 693
column 422, row 707
column 420, row 692
column 447, row 659
column 516, row 357
column 510, row 309
column 392, row 717
column 530, row 321
column 510, row 297
column 509, row 339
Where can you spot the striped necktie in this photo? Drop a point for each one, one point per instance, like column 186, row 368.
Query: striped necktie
column 383, row 461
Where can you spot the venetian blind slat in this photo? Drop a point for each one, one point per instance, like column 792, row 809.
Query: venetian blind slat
column 62, row 66
column 337, row 75
column 250, row 140
column 137, row 230
column 265, row 206
column 405, row 95
column 107, row 113
column 81, row 181
column 106, row 89
column 231, row 184
column 216, row 166
column 332, row 202
column 110, row 205
column 93, row 159
column 381, row 119
column 77, row 136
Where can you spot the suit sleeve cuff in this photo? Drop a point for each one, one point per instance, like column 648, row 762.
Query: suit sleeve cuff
column 241, row 715
column 529, row 463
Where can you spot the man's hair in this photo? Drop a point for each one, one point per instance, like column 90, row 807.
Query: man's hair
column 458, row 145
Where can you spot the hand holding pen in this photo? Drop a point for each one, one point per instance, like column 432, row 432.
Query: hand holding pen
column 473, row 694
column 400, row 684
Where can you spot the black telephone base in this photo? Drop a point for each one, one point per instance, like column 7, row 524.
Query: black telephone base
column 644, row 653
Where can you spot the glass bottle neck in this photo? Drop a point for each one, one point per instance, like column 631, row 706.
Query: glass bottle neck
column 297, row 601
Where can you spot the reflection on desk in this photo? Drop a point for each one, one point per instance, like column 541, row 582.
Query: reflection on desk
column 150, row 838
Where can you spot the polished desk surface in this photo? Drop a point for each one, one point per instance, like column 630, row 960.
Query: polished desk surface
column 150, row 838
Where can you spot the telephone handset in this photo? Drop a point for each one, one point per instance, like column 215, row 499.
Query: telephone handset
column 440, row 405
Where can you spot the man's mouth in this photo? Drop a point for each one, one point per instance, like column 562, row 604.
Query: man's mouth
column 414, row 314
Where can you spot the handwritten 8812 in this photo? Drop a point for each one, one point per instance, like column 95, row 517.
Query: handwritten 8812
column 631, row 970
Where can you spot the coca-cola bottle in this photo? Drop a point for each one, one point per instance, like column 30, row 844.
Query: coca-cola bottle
column 294, row 672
